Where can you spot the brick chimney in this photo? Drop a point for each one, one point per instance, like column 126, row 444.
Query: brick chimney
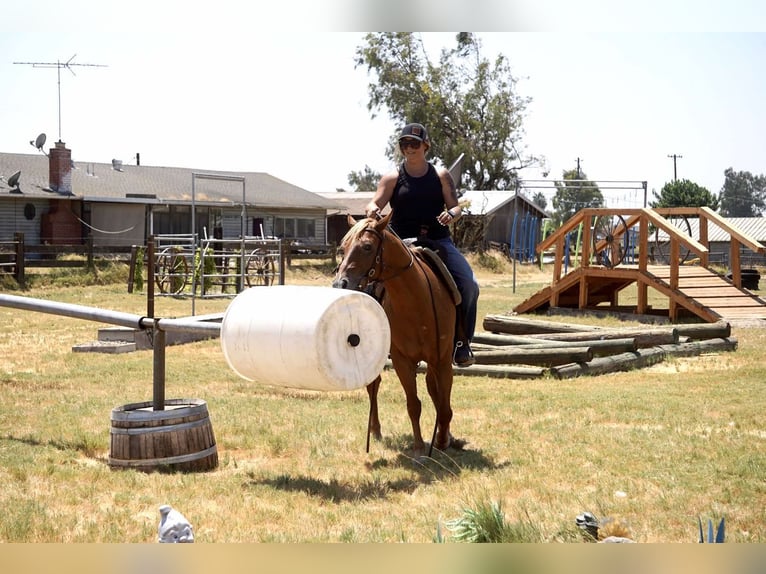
column 60, row 176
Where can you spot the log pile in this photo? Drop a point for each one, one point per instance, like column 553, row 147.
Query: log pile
column 517, row 347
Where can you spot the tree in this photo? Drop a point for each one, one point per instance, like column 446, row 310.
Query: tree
column 742, row 194
column 366, row 180
column 468, row 104
column 684, row 193
column 539, row 200
column 573, row 193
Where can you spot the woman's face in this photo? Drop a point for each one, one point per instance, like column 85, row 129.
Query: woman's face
column 411, row 147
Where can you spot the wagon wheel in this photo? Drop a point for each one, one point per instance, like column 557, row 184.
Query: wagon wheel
column 609, row 232
column 662, row 240
column 171, row 271
column 260, row 269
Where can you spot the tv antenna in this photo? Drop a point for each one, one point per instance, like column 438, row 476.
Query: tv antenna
column 58, row 65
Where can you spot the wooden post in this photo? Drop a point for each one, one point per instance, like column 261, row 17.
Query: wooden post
column 132, row 267
column 89, row 247
column 19, row 272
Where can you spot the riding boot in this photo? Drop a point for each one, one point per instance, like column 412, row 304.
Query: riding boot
column 462, row 356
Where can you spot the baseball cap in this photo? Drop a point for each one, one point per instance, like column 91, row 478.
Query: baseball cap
column 415, row 131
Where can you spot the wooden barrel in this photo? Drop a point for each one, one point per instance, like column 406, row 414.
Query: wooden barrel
column 179, row 438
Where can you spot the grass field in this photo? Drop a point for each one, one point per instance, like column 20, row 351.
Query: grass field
column 654, row 449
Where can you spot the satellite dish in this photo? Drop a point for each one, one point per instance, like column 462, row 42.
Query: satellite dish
column 13, row 182
column 40, row 141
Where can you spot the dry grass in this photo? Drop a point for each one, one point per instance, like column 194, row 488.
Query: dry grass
column 656, row 448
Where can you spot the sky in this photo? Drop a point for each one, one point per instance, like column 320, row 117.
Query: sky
column 245, row 86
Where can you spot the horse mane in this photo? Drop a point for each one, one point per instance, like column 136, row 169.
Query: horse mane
column 354, row 233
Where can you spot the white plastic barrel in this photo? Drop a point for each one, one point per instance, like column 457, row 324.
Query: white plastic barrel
column 303, row 337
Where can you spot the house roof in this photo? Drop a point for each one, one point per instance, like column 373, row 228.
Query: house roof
column 351, row 202
column 754, row 227
column 486, row 202
column 148, row 184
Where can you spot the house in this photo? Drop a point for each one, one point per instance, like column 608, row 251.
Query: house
column 719, row 241
column 347, row 203
column 510, row 219
column 59, row 201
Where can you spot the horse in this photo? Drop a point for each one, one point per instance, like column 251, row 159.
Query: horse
column 421, row 312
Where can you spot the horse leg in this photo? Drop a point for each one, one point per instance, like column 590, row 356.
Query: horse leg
column 373, row 424
column 439, row 384
column 406, row 370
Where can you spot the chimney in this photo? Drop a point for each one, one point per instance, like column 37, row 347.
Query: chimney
column 60, row 176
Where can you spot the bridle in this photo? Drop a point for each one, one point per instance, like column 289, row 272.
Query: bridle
column 378, row 267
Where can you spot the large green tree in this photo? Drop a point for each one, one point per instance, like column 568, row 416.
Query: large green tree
column 468, row 104
column 684, row 193
column 742, row 194
column 366, row 180
column 574, row 192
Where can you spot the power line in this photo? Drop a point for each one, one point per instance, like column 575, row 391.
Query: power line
column 58, row 65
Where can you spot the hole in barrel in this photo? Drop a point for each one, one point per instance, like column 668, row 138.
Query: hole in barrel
column 353, row 339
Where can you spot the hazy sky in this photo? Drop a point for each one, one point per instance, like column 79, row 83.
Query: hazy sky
column 235, row 86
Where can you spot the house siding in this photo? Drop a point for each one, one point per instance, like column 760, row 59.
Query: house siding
column 12, row 219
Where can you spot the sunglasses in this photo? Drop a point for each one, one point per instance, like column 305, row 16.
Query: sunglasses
column 414, row 144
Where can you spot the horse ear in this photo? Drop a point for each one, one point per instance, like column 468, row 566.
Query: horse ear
column 382, row 223
column 351, row 221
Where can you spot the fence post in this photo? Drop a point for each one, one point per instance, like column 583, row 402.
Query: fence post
column 19, row 272
column 132, row 267
column 89, row 246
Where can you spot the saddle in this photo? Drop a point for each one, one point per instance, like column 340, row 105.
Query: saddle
column 428, row 252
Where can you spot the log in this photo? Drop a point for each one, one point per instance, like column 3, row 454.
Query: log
column 499, row 339
column 515, row 325
column 599, row 348
column 493, row 371
column 622, row 362
column 545, row 357
column 695, row 348
column 701, row 331
column 643, row 357
column 645, row 337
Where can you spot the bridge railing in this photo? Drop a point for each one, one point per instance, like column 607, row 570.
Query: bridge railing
column 600, row 233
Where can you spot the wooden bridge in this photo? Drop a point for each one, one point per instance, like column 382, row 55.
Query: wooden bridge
column 664, row 256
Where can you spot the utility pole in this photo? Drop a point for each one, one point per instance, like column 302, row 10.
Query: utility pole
column 58, row 65
column 675, row 171
column 578, row 169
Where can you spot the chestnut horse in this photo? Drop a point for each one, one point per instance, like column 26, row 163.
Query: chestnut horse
column 421, row 314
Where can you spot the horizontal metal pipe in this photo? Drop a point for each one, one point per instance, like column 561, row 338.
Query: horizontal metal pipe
column 71, row 310
column 105, row 316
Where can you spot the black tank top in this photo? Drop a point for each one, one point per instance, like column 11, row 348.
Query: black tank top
column 416, row 203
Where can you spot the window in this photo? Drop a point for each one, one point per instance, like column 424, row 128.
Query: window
column 291, row 228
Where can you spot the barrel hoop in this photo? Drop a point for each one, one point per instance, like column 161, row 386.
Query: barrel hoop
column 134, row 411
column 165, row 460
column 160, row 429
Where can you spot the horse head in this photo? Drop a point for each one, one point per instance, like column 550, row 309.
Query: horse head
column 362, row 247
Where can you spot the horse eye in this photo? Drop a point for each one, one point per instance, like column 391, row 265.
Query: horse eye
column 367, row 247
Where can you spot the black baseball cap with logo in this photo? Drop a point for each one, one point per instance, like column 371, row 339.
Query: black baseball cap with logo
column 415, row 131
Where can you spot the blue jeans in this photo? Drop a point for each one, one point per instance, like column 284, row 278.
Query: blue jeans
column 466, row 283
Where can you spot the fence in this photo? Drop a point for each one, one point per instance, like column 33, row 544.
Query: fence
column 16, row 256
column 265, row 259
